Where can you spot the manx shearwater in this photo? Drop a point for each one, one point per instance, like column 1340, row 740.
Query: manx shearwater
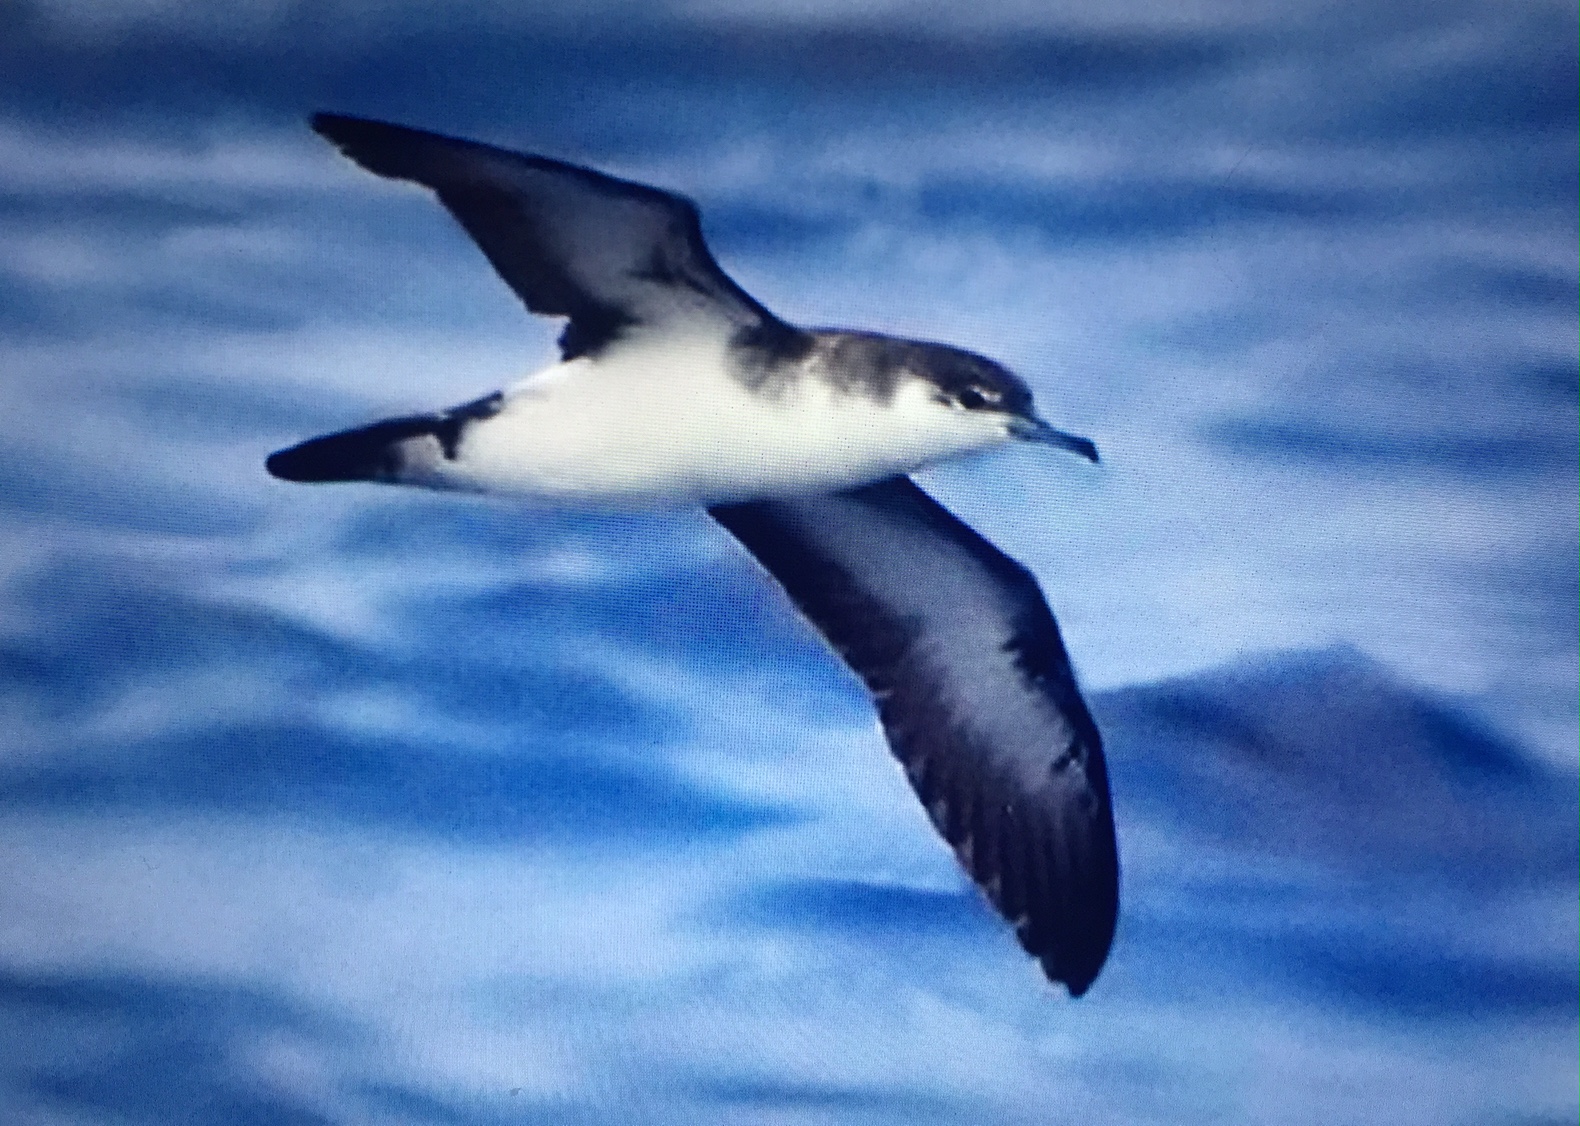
column 674, row 386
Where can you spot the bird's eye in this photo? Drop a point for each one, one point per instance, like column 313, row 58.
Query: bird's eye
column 975, row 398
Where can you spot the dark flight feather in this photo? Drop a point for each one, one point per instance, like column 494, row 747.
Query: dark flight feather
column 611, row 255
column 976, row 695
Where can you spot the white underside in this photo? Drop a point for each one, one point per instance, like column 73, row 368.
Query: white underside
column 667, row 424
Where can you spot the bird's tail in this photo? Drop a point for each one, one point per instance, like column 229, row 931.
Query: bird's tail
column 386, row 451
column 415, row 450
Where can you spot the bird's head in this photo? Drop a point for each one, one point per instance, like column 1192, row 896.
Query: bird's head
column 991, row 396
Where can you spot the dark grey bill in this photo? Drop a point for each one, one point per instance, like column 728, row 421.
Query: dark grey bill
column 1033, row 429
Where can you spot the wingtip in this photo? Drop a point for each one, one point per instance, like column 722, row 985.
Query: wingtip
column 398, row 152
column 345, row 131
column 1076, row 969
column 1077, row 979
column 385, row 149
column 328, row 125
column 1075, row 941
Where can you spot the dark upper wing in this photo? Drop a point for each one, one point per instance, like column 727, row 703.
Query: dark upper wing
column 609, row 254
column 976, row 695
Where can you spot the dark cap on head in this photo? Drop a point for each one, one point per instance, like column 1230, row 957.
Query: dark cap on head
column 973, row 381
column 876, row 364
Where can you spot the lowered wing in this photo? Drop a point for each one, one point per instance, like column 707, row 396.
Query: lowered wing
column 976, row 695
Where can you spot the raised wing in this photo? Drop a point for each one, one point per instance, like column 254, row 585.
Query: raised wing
column 610, row 254
column 976, row 695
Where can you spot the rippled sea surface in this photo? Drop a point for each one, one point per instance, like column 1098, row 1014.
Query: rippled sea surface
column 353, row 805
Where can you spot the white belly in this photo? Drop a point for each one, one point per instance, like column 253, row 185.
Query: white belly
column 680, row 429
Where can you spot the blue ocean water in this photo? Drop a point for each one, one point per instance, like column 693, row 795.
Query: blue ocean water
column 353, row 805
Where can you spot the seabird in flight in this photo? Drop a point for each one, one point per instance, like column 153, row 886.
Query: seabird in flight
column 675, row 387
